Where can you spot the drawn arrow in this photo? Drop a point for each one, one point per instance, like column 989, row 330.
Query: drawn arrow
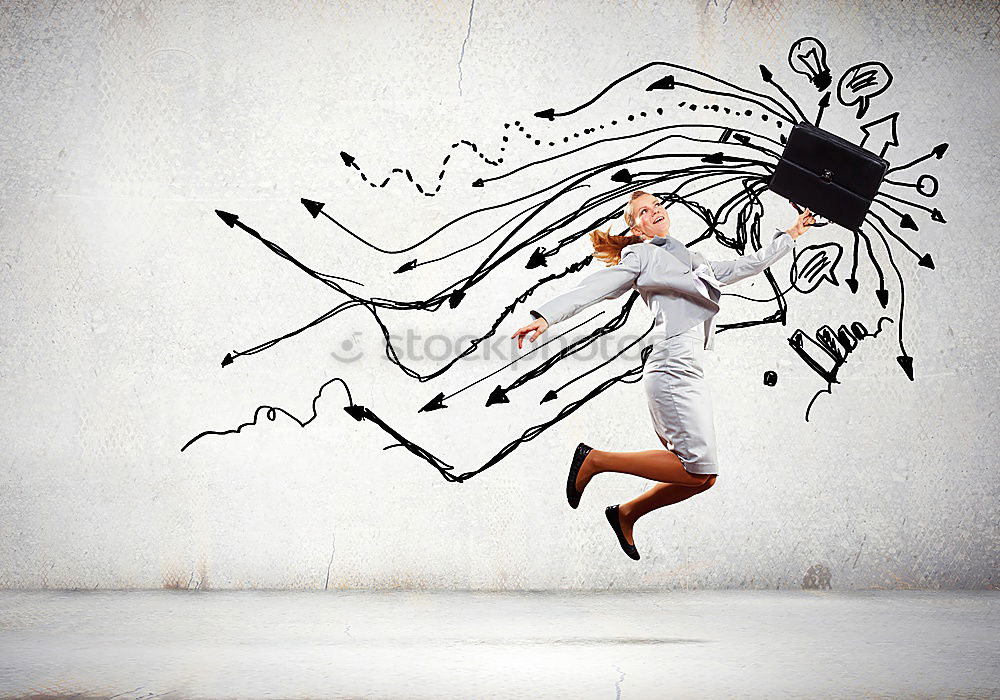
column 435, row 403
column 881, row 293
column 664, row 83
column 630, row 376
column 427, row 190
column 768, row 78
column 498, row 395
column 362, row 413
column 906, row 362
column 233, row 221
column 938, row 151
column 741, row 93
column 554, row 393
column 824, row 102
column 882, row 131
column 314, row 208
column 538, row 259
column 623, row 176
column 626, row 176
column 905, row 220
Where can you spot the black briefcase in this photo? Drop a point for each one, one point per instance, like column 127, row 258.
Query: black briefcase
column 831, row 176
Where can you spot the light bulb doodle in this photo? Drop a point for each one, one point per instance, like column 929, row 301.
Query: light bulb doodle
column 860, row 83
column 808, row 57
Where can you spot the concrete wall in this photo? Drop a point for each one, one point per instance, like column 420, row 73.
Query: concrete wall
column 127, row 124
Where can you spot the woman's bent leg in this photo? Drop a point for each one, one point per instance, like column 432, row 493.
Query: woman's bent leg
column 658, row 465
column 657, row 497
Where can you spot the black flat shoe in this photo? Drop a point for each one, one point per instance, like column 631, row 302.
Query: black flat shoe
column 572, row 495
column 612, row 513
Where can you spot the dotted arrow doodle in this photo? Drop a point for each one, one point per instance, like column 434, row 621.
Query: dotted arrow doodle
column 423, row 189
column 726, row 154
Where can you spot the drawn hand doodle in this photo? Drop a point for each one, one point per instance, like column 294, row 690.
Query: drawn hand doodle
column 813, row 264
column 808, row 57
column 860, row 83
column 828, row 352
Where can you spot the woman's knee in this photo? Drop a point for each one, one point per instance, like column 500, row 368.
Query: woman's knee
column 701, row 481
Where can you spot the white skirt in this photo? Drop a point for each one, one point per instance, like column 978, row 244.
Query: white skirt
column 679, row 399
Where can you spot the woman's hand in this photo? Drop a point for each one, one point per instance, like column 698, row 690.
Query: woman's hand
column 802, row 223
column 537, row 327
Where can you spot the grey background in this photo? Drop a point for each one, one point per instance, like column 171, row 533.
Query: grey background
column 126, row 124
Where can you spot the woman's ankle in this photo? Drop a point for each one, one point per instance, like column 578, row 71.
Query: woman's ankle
column 591, row 465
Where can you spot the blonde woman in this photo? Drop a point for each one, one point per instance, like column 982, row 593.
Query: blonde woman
column 681, row 288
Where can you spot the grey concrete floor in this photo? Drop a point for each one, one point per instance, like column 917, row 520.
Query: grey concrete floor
column 227, row 644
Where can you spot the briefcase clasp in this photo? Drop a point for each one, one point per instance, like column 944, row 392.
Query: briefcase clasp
column 827, row 176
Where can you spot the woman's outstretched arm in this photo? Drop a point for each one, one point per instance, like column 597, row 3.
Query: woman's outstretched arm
column 730, row 271
column 608, row 283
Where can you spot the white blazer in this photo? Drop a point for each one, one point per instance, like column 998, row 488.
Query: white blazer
column 662, row 271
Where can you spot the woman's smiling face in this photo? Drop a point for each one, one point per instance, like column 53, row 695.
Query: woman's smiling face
column 651, row 219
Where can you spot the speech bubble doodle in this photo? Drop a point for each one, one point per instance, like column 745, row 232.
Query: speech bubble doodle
column 861, row 83
column 814, row 264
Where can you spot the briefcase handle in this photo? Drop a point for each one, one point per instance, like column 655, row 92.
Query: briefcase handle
column 796, row 206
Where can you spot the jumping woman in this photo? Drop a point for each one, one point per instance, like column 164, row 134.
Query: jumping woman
column 681, row 288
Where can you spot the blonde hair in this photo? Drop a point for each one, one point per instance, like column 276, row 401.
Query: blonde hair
column 608, row 248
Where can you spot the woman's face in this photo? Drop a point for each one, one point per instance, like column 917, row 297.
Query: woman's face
column 651, row 218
